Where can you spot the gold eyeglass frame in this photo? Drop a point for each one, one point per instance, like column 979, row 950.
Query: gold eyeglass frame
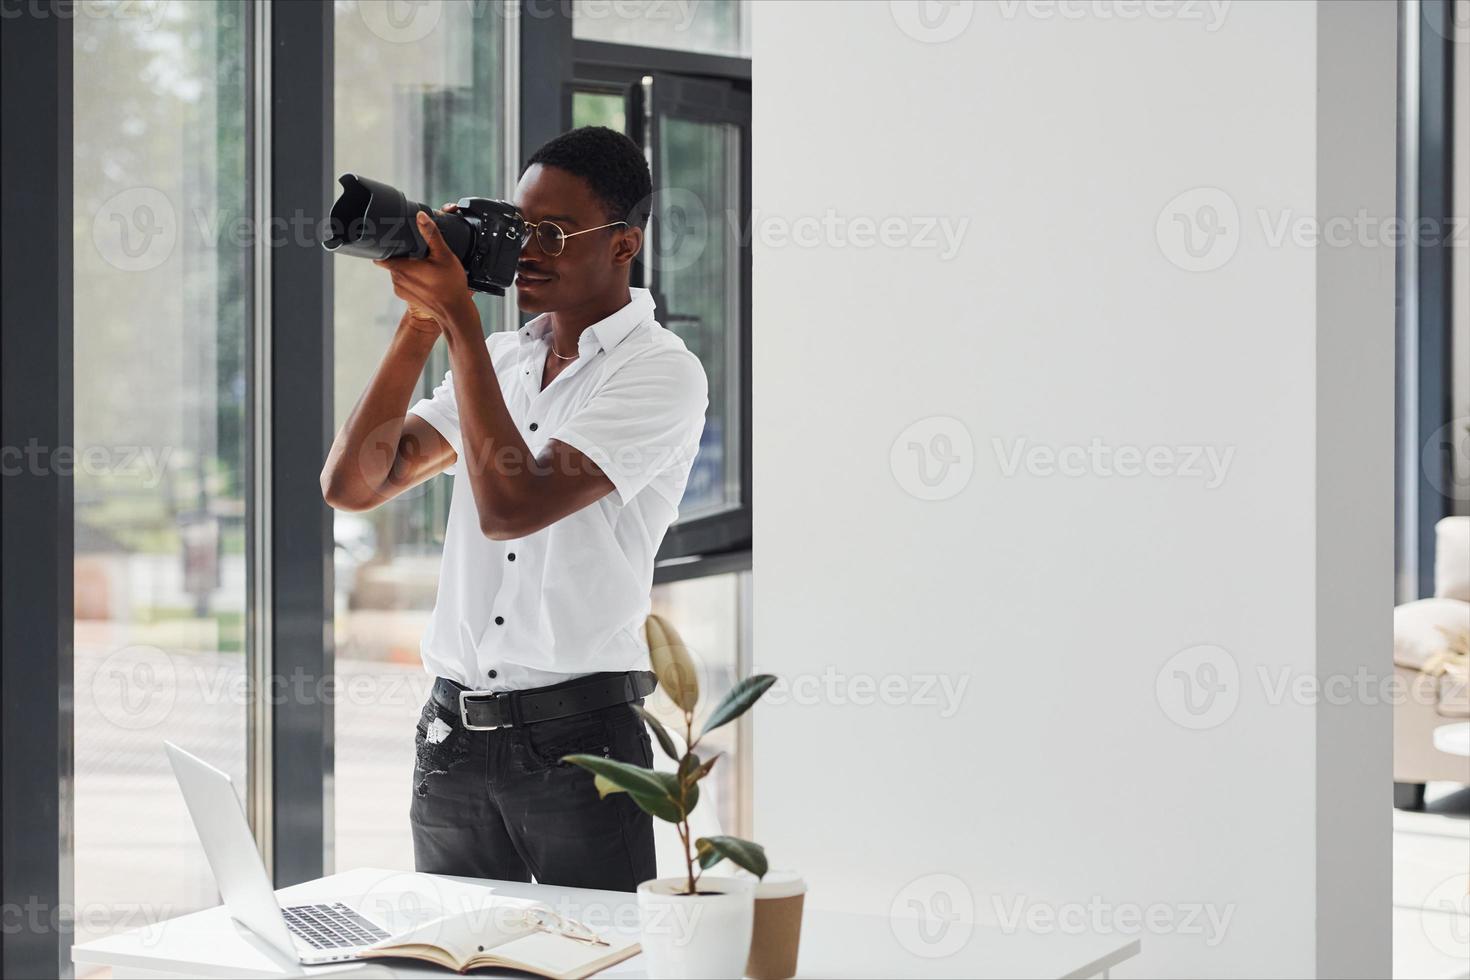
column 533, row 228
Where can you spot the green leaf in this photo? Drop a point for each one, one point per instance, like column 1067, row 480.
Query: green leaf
column 713, row 850
column 665, row 741
column 672, row 663
column 738, row 701
column 663, row 807
column 634, row 779
column 704, row 768
column 657, row 793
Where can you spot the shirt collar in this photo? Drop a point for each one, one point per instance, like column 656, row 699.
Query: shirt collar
column 605, row 334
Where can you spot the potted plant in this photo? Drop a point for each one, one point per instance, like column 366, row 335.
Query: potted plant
column 693, row 925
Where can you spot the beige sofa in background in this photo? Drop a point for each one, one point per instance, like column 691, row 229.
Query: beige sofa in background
column 1425, row 701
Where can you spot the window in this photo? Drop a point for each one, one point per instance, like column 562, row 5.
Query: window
column 162, row 289
column 1433, row 429
column 691, row 114
column 166, row 132
column 421, row 107
column 712, row 614
column 695, row 132
column 695, row 264
column 595, row 107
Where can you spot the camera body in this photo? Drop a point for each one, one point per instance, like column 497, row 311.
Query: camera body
column 374, row 220
column 498, row 230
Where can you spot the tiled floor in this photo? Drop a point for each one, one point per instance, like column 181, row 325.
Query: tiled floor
column 1431, row 877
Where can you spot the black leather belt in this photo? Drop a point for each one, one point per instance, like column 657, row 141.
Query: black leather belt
column 484, row 711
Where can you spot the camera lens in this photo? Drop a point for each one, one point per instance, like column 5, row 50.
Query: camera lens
column 373, row 220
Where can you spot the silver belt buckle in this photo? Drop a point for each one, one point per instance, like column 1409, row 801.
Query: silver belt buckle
column 464, row 717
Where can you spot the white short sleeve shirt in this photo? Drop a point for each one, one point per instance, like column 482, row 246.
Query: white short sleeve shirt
column 571, row 598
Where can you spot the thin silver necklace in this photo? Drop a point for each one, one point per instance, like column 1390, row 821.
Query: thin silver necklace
column 552, row 340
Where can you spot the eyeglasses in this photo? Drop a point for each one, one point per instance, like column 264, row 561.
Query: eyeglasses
column 545, row 920
column 551, row 237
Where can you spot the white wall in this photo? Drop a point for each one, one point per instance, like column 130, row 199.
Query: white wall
column 1070, row 609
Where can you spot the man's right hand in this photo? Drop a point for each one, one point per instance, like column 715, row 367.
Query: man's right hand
column 421, row 319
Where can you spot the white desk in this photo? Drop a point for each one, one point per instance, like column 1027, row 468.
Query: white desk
column 210, row 944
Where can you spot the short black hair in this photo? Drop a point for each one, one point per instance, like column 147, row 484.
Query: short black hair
column 610, row 163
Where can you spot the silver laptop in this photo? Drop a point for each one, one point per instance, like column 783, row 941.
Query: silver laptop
column 325, row 933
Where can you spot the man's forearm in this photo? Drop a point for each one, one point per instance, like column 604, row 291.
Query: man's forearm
column 497, row 459
column 365, row 450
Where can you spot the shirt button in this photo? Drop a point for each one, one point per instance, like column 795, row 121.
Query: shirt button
column 490, row 674
column 499, row 620
column 534, row 426
column 511, row 556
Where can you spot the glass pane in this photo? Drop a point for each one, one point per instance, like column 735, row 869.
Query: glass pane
column 713, row 26
column 697, row 274
column 162, row 310
column 707, row 613
column 419, row 104
column 591, row 108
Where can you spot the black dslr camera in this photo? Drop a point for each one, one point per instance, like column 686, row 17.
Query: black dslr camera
column 375, row 221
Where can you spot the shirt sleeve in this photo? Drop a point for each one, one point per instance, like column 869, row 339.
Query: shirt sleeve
column 646, row 419
column 442, row 412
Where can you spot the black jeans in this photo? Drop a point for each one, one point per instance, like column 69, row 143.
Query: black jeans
column 501, row 804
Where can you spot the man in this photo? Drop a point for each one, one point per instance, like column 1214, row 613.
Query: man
column 570, row 441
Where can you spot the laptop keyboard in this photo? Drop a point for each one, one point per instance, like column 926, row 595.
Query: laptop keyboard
column 331, row 926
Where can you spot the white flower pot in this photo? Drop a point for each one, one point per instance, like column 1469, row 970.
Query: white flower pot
column 698, row 937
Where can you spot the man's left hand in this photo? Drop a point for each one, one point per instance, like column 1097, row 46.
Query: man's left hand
column 434, row 285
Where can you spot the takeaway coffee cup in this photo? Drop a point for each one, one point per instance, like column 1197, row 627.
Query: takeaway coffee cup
column 777, row 932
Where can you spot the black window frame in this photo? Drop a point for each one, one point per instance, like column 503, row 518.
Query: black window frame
column 36, row 503
column 1423, row 460
column 554, row 65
